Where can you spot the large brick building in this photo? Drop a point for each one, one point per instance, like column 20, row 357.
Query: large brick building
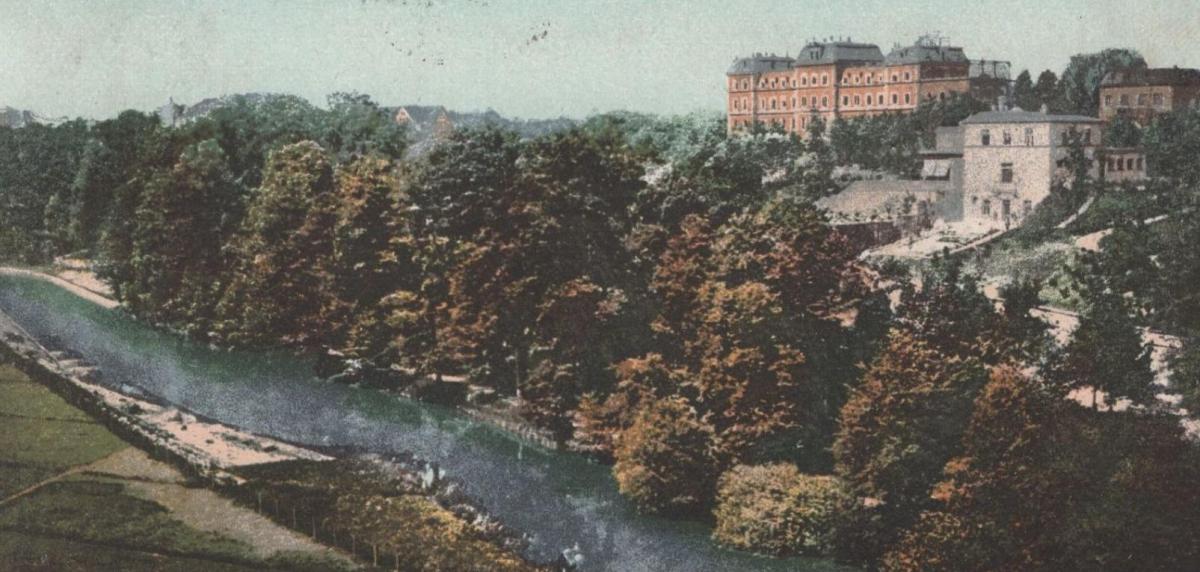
column 1142, row 94
column 848, row 79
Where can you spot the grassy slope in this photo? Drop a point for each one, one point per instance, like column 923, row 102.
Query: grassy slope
column 87, row 523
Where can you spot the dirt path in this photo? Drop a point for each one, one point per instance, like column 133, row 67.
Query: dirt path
column 202, row 509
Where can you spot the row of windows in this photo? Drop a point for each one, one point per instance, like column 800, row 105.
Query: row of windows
column 811, row 79
column 985, row 137
column 780, row 83
column 1006, row 207
column 1143, row 99
column 743, row 104
column 867, row 78
column 872, row 100
column 1127, row 164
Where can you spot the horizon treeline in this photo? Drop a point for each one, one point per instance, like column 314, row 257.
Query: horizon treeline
column 662, row 296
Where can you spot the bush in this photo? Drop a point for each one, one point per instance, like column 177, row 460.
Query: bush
column 664, row 462
column 776, row 509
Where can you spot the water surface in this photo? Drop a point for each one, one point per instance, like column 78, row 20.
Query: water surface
column 560, row 499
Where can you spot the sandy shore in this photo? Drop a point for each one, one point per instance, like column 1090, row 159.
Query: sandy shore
column 72, row 287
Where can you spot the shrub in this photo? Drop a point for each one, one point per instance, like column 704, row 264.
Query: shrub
column 664, row 462
column 776, row 509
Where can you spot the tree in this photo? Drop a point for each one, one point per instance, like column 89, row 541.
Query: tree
column 1043, row 484
column 1170, row 142
column 1080, row 83
column 1107, row 354
column 1185, row 377
column 902, row 423
column 1028, row 335
column 282, row 255
column 177, row 237
column 1024, row 95
column 1048, row 91
column 775, row 509
column 365, row 265
column 663, row 461
column 1123, row 131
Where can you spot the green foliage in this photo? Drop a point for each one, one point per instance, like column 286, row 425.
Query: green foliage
column 777, row 510
column 1080, row 81
column 664, row 462
column 1043, row 484
column 902, row 423
column 1024, row 95
column 1172, row 143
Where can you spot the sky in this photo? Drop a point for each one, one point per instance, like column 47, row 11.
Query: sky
column 523, row 58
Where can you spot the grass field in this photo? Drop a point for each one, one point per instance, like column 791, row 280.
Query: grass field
column 87, row 514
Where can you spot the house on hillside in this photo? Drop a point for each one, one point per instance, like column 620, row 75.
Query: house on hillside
column 1012, row 158
column 425, row 121
column 1143, row 94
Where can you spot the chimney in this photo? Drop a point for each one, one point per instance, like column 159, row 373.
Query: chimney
column 1045, row 109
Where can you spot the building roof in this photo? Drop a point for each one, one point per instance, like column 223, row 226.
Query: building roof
column 923, row 52
column 1156, row 76
column 1021, row 116
column 880, row 200
column 759, row 63
column 823, row 53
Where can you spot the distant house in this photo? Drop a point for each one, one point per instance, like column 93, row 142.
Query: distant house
column 426, row 121
column 1011, row 159
column 1143, row 94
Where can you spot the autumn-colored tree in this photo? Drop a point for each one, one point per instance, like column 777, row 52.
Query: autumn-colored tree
column 900, row 426
column 283, row 252
column 639, row 381
column 664, row 462
column 178, row 233
column 776, row 509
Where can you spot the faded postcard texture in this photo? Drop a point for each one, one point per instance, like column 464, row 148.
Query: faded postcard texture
column 584, row 285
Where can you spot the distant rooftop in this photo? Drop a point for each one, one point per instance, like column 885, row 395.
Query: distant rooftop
column 822, row 53
column 759, row 63
column 1156, row 76
column 1022, row 116
column 921, row 52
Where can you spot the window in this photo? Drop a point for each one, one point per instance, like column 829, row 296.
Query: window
column 895, row 78
column 1087, row 136
column 793, row 102
column 825, row 102
column 1125, row 99
column 845, row 100
column 1029, row 136
column 1142, row 99
column 1006, row 172
column 1112, row 166
column 1158, row 100
column 895, row 99
column 987, row 207
column 1108, row 101
column 1120, row 164
column 907, row 76
column 985, row 138
column 824, row 79
column 1141, row 164
column 907, row 98
column 857, row 100
column 804, row 101
column 804, row 80
column 772, row 103
column 1129, row 164
column 1007, row 137
column 869, row 100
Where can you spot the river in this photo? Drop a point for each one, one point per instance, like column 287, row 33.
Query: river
column 560, row 499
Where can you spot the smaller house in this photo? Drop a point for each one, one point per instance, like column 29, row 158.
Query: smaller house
column 1123, row 164
column 1143, row 94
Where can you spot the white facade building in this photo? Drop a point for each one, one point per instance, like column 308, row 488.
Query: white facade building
column 1011, row 159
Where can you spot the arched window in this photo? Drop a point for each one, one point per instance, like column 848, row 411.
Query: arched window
column 804, row 102
column 825, row 102
column 895, row 99
column 793, row 102
column 869, row 100
column 804, row 80
column 907, row 98
column 845, row 100
column 857, row 100
column 824, row 79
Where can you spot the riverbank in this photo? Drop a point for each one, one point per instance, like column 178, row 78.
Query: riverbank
column 78, row 286
column 220, row 456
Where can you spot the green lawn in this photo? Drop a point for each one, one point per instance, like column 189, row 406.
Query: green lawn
column 85, row 522
column 43, row 435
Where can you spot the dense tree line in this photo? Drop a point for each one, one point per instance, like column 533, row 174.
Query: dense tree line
column 660, row 295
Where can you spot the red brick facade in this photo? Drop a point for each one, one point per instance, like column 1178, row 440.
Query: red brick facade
column 840, row 79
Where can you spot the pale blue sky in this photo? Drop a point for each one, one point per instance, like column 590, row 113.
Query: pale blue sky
column 94, row 58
